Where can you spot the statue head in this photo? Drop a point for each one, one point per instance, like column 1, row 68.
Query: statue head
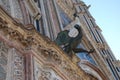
column 77, row 27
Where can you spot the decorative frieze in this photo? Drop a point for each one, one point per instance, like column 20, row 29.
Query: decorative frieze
column 53, row 56
column 15, row 34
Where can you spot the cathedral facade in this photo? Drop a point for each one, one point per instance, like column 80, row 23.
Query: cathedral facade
column 28, row 29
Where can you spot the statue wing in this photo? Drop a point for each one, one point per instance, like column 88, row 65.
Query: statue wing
column 62, row 38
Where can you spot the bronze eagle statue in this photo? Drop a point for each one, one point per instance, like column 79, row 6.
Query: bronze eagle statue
column 70, row 39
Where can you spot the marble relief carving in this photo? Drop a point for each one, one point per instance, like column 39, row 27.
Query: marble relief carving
column 3, row 61
column 15, row 66
column 53, row 57
column 16, row 35
column 18, row 66
column 42, row 73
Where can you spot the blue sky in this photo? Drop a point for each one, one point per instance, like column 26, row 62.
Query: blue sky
column 107, row 16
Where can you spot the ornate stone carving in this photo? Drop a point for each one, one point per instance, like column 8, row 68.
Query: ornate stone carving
column 53, row 56
column 15, row 65
column 16, row 35
column 3, row 23
column 42, row 73
column 3, row 60
column 18, row 67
